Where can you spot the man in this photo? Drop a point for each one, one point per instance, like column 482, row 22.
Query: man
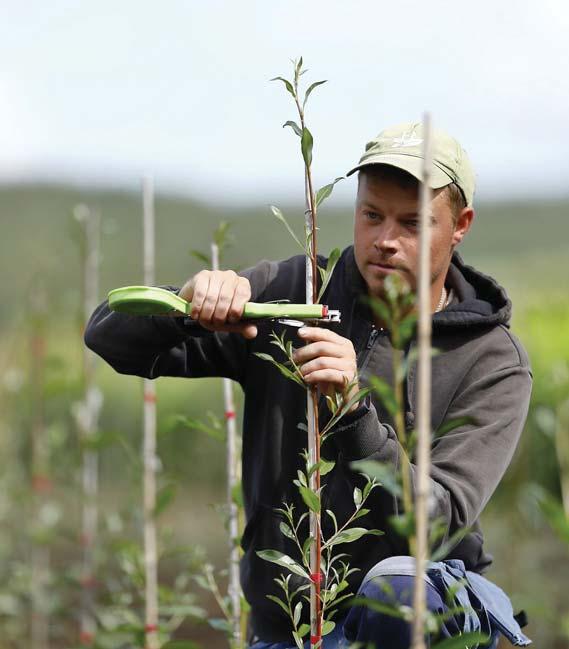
column 480, row 374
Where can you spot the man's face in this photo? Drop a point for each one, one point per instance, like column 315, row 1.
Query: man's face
column 386, row 234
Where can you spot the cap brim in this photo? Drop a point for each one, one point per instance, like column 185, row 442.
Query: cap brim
column 411, row 164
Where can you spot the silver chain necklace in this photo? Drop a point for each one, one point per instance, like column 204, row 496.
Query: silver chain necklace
column 442, row 301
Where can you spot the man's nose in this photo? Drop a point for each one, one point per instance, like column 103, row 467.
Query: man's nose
column 387, row 240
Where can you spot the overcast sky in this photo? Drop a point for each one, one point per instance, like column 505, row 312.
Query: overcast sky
column 104, row 91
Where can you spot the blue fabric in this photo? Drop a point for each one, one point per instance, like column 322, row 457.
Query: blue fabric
column 486, row 608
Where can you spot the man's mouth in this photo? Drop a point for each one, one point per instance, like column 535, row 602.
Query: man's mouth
column 384, row 268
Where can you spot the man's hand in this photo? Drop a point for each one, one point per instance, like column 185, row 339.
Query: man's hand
column 328, row 361
column 218, row 298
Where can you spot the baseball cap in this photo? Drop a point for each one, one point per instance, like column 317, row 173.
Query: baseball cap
column 402, row 146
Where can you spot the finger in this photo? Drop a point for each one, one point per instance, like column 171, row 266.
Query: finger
column 241, row 296
column 195, row 291
column 313, row 350
column 328, row 362
column 336, row 377
column 226, row 293
column 320, row 333
column 211, row 297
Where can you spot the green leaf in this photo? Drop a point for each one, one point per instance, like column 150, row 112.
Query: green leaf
column 215, row 430
column 448, row 426
column 298, row 68
column 362, row 512
column 333, row 517
column 280, row 216
column 384, row 473
column 306, row 143
column 180, row 644
column 283, row 560
column 164, row 498
column 325, row 466
column 403, row 524
column 279, row 601
column 306, row 548
column 101, row 440
column 237, row 494
column 298, row 640
column 201, row 257
column 220, row 624
column 369, row 486
column 222, row 237
column 442, row 551
column 357, row 497
column 407, row 328
column 324, row 192
column 345, row 408
column 464, row 641
column 282, row 368
column 386, row 393
column 303, row 629
column 287, row 83
column 286, row 530
column 202, row 582
column 382, row 310
column 310, row 89
column 380, row 607
column 328, row 627
column 295, row 127
column 353, row 534
column 327, row 276
column 555, row 515
column 310, row 498
column 297, row 613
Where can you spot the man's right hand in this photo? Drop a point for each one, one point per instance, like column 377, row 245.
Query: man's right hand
column 218, row 298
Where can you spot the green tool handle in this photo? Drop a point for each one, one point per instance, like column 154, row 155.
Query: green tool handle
column 151, row 300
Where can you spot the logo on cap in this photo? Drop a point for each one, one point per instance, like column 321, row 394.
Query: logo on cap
column 409, row 138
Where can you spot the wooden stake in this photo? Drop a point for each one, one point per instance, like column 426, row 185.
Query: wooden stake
column 233, row 478
column 424, row 395
column 313, row 428
column 149, row 448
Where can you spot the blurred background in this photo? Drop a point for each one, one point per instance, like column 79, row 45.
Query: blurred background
column 94, row 95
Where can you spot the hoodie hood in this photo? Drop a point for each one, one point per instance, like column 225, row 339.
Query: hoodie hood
column 479, row 301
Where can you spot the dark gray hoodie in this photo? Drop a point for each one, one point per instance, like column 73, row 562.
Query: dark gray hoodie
column 481, row 372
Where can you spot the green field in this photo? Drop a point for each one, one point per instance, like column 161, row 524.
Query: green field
column 524, row 245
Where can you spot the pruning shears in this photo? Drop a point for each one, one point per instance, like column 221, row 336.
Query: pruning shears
column 151, row 300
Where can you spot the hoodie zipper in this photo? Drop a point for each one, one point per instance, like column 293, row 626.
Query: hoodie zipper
column 374, row 333
column 371, row 340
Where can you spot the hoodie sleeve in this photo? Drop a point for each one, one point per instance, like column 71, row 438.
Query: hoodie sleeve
column 152, row 346
column 469, row 461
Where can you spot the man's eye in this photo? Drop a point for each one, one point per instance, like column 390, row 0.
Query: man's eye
column 412, row 223
column 371, row 216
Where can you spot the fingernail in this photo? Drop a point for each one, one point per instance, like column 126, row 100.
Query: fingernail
column 302, row 331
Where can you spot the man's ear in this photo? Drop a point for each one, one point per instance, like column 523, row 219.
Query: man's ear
column 463, row 223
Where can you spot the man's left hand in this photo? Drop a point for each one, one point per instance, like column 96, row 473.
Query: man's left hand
column 328, row 361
